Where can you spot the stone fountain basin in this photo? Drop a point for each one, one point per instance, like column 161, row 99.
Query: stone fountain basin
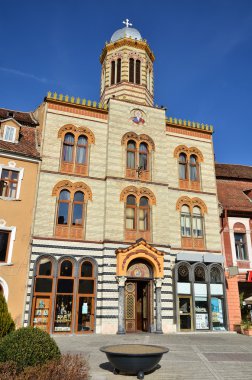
column 134, row 358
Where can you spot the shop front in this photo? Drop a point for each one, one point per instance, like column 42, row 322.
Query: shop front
column 64, row 295
column 200, row 297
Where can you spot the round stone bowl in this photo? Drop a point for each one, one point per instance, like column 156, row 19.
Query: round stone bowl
column 134, row 359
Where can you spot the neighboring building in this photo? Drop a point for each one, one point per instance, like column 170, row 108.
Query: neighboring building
column 126, row 231
column 234, row 184
column 19, row 161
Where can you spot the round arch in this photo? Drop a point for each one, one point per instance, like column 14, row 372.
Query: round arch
column 5, row 288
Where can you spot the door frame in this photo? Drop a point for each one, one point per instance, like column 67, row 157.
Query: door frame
column 191, row 312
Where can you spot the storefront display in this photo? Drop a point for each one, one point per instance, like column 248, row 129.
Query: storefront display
column 217, row 313
column 63, row 313
column 41, row 313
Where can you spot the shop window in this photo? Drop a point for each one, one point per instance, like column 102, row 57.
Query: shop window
column 86, row 298
column 240, row 246
column 199, row 274
column 215, row 275
column 183, row 273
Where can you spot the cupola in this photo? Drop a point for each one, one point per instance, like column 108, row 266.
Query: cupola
column 127, row 67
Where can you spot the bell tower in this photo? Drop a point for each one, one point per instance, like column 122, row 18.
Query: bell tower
column 127, row 67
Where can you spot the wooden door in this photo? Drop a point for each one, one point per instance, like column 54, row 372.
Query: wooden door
column 185, row 313
column 130, row 306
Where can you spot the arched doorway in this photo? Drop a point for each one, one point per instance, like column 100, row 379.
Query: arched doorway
column 139, row 296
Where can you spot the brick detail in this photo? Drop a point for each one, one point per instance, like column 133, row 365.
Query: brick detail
column 233, row 302
column 91, row 113
column 185, row 131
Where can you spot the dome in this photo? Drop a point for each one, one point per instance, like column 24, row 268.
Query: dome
column 126, row 32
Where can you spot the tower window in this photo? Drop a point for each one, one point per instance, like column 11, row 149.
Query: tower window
column 112, row 80
column 118, row 74
column 138, row 66
column 131, row 70
column 135, row 71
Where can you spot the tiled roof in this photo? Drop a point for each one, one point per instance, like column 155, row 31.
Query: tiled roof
column 24, row 118
column 27, row 144
column 232, row 182
column 233, row 171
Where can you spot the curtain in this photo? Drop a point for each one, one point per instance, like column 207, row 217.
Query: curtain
column 130, row 218
column 197, row 226
column 131, row 160
column 143, row 220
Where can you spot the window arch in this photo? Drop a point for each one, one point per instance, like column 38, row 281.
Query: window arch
column 138, row 204
column 199, row 273
column 71, row 209
column 191, row 222
column 138, row 155
column 75, row 149
column 216, row 274
column 135, row 71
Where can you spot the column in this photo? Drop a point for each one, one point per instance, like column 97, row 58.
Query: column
column 121, row 316
column 158, row 284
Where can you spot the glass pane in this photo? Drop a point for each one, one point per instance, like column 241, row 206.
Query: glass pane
column 199, row 274
column 131, row 200
column 143, row 148
column 196, row 210
column 143, row 161
column 86, row 269
column 144, row 201
column 63, row 213
column 4, row 237
column 86, row 286
column 182, row 171
column 131, row 145
column 12, row 189
column 43, row 285
column 77, row 214
column 79, row 196
column 184, row 305
column 64, row 195
column 84, row 314
column 182, row 158
column 14, row 175
column 143, row 220
column 193, row 160
column 131, row 160
column 66, row 268
column 215, row 275
column 69, row 138
column 185, row 322
column 217, row 313
column 81, row 155
column 45, row 267
column 65, row 286
column 197, row 227
column 5, row 174
column 68, row 153
column 193, row 173
column 130, row 218
column 82, row 140
column 185, row 209
column 63, row 313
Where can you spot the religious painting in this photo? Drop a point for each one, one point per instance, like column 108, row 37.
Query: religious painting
column 138, row 270
column 137, row 117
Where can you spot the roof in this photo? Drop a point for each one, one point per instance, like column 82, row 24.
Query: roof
column 232, row 183
column 233, row 171
column 27, row 143
column 126, row 32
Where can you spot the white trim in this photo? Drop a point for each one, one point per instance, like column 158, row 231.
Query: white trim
column 20, row 171
column 245, row 222
column 4, row 285
column 12, row 231
column 18, row 157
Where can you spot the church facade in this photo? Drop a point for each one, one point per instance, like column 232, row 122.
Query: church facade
column 126, row 229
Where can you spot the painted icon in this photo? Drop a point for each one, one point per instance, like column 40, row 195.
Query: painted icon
column 138, row 117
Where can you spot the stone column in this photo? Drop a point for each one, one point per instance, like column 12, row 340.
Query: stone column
column 121, row 316
column 158, row 284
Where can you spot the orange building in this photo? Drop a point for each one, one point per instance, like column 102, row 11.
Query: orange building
column 19, row 162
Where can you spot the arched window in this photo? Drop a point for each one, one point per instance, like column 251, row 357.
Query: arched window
column 131, row 70
column 81, row 151
column 183, row 273
column 191, row 222
column 215, row 275
column 182, row 166
column 138, row 71
column 78, row 205
column 63, row 207
column 112, row 77
column 131, row 212
column 199, row 274
column 144, row 214
column 143, row 156
column 68, row 147
column 131, row 154
column 118, row 74
column 193, row 168
column 43, row 288
column 75, row 149
column 186, row 229
column 197, row 223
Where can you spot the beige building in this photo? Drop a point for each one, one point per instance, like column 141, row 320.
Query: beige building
column 126, row 231
column 19, row 161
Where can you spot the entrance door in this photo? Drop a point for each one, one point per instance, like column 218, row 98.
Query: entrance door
column 185, row 313
column 137, row 310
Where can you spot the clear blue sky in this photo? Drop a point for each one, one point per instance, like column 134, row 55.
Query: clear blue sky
column 203, row 49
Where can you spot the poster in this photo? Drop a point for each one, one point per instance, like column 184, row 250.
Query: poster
column 84, row 308
column 217, row 313
column 202, row 321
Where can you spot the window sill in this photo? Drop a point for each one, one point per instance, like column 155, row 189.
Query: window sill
column 6, row 264
column 9, row 199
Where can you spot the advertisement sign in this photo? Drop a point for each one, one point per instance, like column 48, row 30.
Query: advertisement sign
column 217, row 312
column 202, row 321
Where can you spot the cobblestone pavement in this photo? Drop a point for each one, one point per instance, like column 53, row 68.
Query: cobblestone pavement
column 207, row 356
